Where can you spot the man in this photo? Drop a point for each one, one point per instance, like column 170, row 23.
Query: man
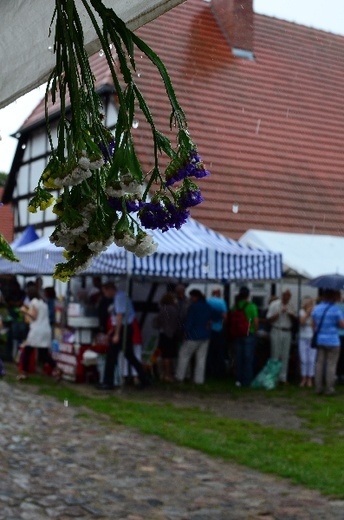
column 217, row 346
column 120, row 336
column 245, row 346
column 197, row 333
column 182, row 305
column 281, row 315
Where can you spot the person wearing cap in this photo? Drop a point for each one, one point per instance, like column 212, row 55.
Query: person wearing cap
column 245, row 346
column 281, row 314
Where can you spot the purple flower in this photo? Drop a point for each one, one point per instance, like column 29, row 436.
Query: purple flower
column 178, row 216
column 197, row 168
column 178, row 175
column 155, row 215
column 193, row 168
column 152, row 215
column 107, row 151
column 189, row 198
column 132, row 206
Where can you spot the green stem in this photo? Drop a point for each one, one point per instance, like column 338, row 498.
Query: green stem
column 105, row 45
column 154, row 58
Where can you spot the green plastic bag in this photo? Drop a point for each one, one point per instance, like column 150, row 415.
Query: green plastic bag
column 267, row 377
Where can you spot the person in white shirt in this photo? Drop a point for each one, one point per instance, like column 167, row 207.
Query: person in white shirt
column 307, row 354
column 281, row 315
column 39, row 336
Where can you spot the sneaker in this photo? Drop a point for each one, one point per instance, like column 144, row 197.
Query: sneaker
column 237, row 384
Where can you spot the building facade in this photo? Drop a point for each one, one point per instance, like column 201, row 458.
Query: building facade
column 264, row 101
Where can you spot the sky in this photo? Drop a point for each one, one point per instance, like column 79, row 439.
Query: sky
column 320, row 14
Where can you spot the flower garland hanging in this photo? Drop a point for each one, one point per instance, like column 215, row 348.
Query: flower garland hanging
column 105, row 194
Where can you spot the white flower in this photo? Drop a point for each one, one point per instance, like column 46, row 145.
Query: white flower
column 146, row 246
column 76, row 177
column 84, row 266
column 127, row 241
column 94, row 165
column 97, row 246
column 114, row 193
column 128, row 186
column 88, row 210
column 58, row 181
column 84, row 163
column 62, row 240
column 134, row 188
column 108, row 241
column 142, row 246
column 77, row 231
column 79, row 174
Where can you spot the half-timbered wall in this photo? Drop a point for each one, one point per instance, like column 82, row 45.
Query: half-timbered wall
column 35, row 158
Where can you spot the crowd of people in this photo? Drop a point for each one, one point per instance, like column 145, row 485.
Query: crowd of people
column 198, row 337
column 194, row 337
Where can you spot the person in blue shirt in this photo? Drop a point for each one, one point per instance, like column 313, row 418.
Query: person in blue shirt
column 216, row 359
column 340, row 364
column 197, row 333
column 327, row 318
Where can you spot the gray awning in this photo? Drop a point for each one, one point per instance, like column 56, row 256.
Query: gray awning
column 24, row 45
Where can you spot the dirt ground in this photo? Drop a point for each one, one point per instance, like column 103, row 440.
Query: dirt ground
column 276, row 412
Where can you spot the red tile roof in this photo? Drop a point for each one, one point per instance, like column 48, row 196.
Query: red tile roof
column 271, row 130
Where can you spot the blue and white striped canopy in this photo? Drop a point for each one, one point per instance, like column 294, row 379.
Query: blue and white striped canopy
column 194, row 252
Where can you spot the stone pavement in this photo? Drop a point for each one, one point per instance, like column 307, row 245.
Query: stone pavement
column 57, row 464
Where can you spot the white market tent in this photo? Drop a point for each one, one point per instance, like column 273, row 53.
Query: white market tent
column 24, row 46
column 303, row 255
column 192, row 253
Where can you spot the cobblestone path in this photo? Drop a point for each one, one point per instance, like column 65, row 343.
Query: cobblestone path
column 56, row 464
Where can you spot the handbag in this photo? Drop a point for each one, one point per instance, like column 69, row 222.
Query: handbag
column 314, row 341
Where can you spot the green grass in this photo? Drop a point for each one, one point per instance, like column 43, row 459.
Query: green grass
column 313, row 457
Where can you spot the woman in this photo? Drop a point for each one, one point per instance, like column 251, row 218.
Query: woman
column 167, row 321
column 307, row 354
column 39, row 335
column 327, row 317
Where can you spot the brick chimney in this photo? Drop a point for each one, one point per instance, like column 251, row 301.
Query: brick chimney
column 235, row 19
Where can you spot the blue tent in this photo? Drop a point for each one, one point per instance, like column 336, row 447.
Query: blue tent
column 194, row 252
column 29, row 235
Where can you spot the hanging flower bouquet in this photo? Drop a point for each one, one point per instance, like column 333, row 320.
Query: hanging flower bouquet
column 105, row 194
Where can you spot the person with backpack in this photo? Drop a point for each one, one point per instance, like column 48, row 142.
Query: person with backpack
column 243, row 325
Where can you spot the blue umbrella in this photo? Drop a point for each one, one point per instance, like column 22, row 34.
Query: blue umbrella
column 328, row 281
